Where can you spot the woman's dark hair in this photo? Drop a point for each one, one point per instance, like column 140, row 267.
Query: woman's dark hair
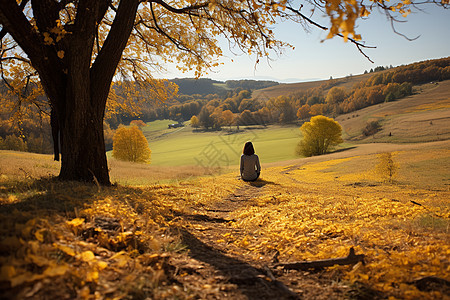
column 248, row 149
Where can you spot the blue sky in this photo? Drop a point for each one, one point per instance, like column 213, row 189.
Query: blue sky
column 313, row 59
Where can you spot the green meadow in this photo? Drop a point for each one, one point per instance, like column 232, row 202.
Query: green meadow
column 184, row 146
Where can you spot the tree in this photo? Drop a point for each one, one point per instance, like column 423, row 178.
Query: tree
column 319, row 135
column 228, row 117
column 195, row 122
column 303, row 112
column 74, row 48
column 205, row 118
column 335, row 96
column 138, row 123
column 130, row 144
column 217, row 116
column 387, row 168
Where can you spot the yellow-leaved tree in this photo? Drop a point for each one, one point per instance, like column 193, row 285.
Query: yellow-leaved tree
column 130, row 144
column 195, row 122
column 73, row 49
column 387, row 168
column 319, row 135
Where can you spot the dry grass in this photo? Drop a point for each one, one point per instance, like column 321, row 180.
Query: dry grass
column 22, row 165
column 290, row 88
column 423, row 117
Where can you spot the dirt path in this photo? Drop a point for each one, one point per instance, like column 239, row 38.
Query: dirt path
column 228, row 273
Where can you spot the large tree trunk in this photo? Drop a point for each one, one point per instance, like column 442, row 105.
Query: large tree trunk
column 83, row 155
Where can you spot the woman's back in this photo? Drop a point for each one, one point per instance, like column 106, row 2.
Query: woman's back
column 250, row 167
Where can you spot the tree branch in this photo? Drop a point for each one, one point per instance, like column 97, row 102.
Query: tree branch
column 104, row 67
column 351, row 259
column 183, row 10
column 310, row 21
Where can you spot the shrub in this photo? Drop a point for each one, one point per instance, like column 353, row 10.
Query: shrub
column 130, row 144
column 319, row 135
column 372, row 128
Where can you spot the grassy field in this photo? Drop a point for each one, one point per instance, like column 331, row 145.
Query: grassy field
column 183, row 146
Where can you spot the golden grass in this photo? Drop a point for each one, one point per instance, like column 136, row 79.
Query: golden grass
column 19, row 165
column 319, row 210
column 422, row 117
column 77, row 240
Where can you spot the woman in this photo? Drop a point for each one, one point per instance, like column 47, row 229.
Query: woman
column 250, row 167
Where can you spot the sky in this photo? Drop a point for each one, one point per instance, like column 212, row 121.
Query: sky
column 315, row 58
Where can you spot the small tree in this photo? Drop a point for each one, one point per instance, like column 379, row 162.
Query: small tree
column 195, row 122
column 319, row 135
column 130, row 144
column 387, row 168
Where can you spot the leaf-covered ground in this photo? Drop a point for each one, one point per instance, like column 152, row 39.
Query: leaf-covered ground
column 218, row 237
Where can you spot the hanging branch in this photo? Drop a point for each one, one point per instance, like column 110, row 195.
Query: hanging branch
column 358, row 45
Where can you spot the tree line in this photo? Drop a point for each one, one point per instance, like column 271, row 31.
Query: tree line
column 330, row 98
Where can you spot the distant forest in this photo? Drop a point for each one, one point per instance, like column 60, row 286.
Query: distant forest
column 214, row 104
column 206, row 86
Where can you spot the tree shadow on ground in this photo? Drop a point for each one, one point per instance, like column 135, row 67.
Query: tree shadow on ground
column 249, row 280
column 47, row 196
column 342, row 150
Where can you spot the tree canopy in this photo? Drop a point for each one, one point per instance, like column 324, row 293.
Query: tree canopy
column 130, row 144
column 319, row 135
column 73, row 49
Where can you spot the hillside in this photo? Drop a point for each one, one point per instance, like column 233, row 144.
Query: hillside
column 205, row 86
column 289, row 88
column 422, row 117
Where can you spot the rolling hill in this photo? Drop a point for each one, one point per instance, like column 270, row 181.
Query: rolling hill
column 289, row 88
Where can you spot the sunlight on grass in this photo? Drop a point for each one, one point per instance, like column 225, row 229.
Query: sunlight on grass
column 83, row 236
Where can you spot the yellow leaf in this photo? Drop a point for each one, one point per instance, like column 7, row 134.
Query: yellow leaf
column 102, row 265
column 56, row 270
column 48, row 40
column 92, row 276
column 40, row 235
column 37, row 260
column 87, row 256
column 66, row 249
column 22, row 278
column 75, row 222
column 119, row 254
column 60, row 54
